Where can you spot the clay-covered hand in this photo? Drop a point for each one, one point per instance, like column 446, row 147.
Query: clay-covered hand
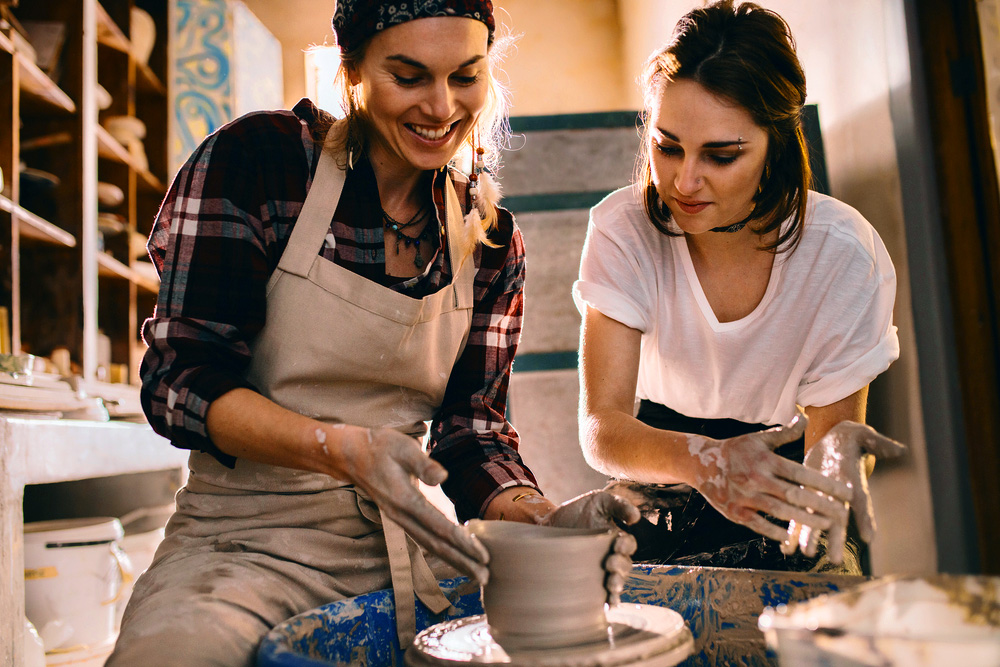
column 385, row 463
column 840, row 455
column 600, row 509
column 742, row 477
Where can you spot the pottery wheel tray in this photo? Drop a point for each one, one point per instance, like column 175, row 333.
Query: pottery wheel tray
column 639, row 635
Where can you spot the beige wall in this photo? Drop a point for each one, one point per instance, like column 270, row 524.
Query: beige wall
column 298, row 24
column 566, row 60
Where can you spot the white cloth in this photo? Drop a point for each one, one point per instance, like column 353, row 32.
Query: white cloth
column 822, row 331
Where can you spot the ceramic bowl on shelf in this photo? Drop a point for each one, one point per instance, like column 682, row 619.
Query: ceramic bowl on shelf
column 137, row 245
column 109, row 194
column 38, row 192
column 103, row 97
column 129, row 131
column 146, row 270
column 111, row 223
column 125, row 129
column 143, row 34
column 38, row 176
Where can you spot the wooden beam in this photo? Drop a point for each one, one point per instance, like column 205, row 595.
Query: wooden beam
column 970, row 219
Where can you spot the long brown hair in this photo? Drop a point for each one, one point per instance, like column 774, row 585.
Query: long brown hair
column 745, row 54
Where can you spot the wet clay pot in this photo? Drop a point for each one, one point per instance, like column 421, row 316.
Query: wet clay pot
column 546, row 586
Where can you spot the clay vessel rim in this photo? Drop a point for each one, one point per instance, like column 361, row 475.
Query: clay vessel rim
column 502, row 529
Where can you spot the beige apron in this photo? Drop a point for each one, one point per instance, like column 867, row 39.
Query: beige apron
column 342, row 349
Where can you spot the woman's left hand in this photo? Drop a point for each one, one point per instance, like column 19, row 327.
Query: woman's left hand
column 600, row 509
column 841, row 454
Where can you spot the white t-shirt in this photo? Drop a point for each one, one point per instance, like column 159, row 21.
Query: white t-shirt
column 822, row 331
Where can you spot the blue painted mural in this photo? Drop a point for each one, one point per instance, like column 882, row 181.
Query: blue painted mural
column 208, row 67
column 201, row 91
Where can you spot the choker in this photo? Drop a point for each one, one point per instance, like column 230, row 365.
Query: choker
column 735, row 227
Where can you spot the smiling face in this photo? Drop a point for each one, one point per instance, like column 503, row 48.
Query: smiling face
column 706, row 154
column 424, row 84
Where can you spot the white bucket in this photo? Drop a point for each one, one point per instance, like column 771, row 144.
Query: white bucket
column 74, row 572
column 87, row 656
column 34, row 650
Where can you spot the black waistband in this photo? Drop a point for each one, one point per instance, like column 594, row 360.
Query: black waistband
column 661, row 417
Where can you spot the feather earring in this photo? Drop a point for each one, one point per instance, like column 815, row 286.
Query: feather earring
column 474, row 218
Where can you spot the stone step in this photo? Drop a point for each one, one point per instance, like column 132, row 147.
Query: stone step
column 553, row 243
column 553, row 155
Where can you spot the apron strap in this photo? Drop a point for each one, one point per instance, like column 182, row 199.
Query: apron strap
column 314, row 219
column 410, row 575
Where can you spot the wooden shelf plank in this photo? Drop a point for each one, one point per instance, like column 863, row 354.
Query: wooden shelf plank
column 46, row 141
column 109, row 147
column 38, row 228
column 147, row 80
column 38, row 84
column 108, row 32
column 152, row 182
column 109, row 267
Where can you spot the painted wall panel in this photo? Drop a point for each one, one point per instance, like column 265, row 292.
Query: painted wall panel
column 223, row 63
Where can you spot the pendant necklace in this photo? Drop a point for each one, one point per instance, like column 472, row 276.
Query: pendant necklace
column 397, row 227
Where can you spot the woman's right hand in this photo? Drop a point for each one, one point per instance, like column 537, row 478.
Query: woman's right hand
column 742, row 477
column 385, row 463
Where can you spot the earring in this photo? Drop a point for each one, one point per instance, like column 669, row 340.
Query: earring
column 478, row 165
column 350, row 158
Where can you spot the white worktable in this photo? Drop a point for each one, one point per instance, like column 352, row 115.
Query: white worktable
column 40, row 451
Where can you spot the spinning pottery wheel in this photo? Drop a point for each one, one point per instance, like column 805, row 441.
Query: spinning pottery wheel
column 638, row 635
column 545, row 605
column 720, row 607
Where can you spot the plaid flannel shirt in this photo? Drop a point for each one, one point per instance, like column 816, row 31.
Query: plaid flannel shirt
column 217, row 238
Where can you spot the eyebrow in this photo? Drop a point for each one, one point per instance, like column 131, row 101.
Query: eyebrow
column 406, row 60
column 707, row 144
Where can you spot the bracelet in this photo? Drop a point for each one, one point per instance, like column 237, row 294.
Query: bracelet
column 521, row 496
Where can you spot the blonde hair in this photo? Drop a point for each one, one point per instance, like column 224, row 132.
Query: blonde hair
column 491, row 131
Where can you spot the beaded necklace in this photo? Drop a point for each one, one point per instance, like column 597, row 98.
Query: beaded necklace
column 397, row 227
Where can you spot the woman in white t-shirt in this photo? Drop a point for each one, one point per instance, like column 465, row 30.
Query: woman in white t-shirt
column 728, row 299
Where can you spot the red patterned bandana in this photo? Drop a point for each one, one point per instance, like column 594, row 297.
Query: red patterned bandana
column 356, row 20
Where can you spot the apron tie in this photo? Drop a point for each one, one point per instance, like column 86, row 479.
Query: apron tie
column 411, row 578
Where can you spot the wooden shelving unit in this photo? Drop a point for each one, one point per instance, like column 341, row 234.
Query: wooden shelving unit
column 65, row 278
column 60, row 262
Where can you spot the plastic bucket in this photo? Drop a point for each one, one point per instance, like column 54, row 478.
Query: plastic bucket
column 74, row 573
column 88, row 656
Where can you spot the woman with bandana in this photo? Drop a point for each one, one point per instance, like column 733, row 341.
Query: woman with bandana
column 327, row 288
